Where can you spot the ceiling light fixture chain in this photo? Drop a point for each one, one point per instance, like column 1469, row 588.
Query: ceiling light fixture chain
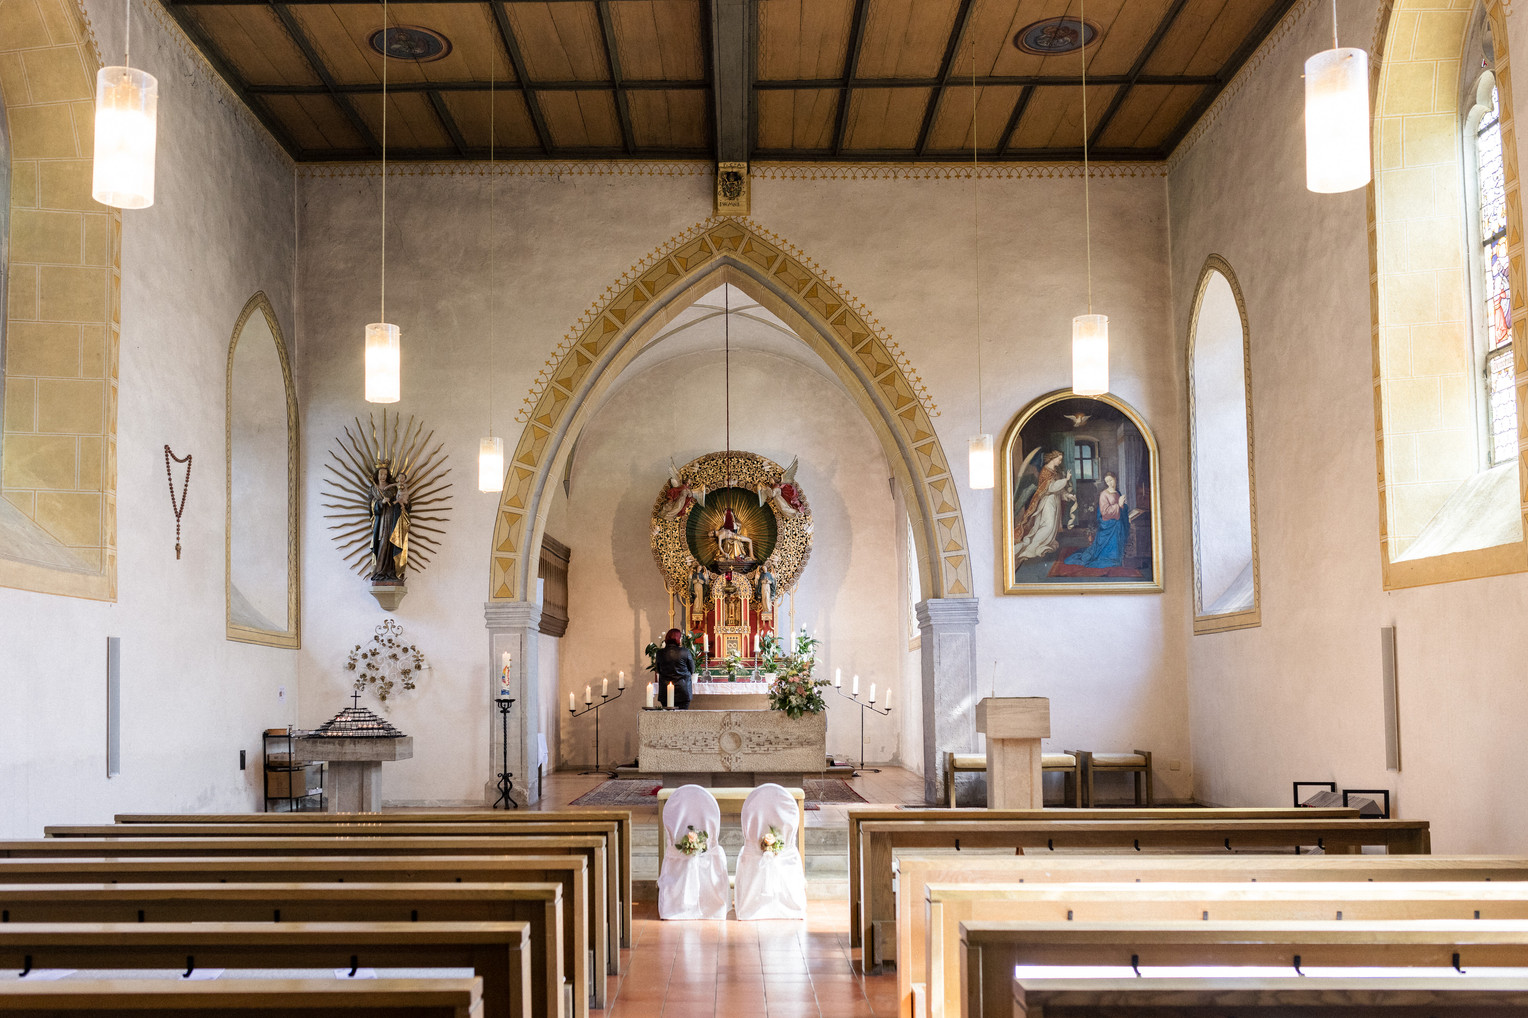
column 727, row 370
column 383, row 317
column 1087, row 202
column 980, row 472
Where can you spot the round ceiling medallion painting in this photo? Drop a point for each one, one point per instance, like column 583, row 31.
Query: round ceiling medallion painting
column 1056, row 35
column 407, row 42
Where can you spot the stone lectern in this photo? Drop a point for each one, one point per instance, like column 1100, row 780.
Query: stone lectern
column 1014, row 726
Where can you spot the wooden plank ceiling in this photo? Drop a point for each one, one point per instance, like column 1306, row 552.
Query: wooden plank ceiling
column 830, row 80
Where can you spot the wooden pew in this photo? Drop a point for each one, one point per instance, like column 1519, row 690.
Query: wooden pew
column 917, row 868
column 1271, row 997
column 497, row 953
column 569, row 870
column 950, row 905
column 990, row 950
column 245, row 998
column 620, row 817
column 538, row 904
column 878, row 838
column 859, row 816
column 618, row 850
column 591, row 846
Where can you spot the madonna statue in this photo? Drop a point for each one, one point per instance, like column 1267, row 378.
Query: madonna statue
column 389, row 526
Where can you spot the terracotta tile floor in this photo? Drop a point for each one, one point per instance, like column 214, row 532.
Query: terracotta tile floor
column 778, row 969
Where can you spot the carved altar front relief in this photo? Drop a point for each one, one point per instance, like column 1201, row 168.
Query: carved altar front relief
column 741, row 742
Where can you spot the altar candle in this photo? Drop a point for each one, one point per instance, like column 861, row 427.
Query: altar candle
column 572, row 704
column 605, row 686
column 872, row 692
column 756, row 645
column 888, row 694
column 620, row 683
column 652, row 695
column 504, row 659
column 671, row 696
column 855, row 690
column 588, row 695
column 705, row 643
column 838, row 678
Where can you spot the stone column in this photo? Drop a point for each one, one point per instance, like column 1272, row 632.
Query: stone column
column 514, row 626
column 948, row 628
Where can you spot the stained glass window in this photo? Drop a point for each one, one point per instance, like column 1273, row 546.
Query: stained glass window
column 1501, row 401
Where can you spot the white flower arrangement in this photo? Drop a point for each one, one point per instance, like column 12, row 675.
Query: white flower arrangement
column 693, row 842
column 772, row 842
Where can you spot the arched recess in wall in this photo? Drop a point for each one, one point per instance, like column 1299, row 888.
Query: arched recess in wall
column 1223, row 481
column 63, row 310
column 1442, row 517
column 790, row 286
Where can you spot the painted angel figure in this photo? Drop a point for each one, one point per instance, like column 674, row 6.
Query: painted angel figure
column 681, row 496
column 785, row 496
column 1036, row 530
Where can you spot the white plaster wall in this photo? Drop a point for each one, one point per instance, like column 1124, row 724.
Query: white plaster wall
column 1299, row 698
column 1113, row 664
column 848, row 595
column 220, row 229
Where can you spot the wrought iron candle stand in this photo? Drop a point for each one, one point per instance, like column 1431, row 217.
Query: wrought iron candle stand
column 591, row 705
column 506, row 776
column 864, row 705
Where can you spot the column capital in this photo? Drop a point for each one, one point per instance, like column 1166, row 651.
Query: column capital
column 503, row 615
column 947, row 611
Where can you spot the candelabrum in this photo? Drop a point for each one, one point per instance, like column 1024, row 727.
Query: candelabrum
column 864, row 705
column 594, row 705
column 506, row 777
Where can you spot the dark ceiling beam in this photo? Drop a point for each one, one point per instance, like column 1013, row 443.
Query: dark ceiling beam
column 517, row 65
column 1013, row 119
column 1142, row 59
column 448, row 123
column 214, row 56
column 613, row 60
column 851, row 68
column 305, row 45
column 946, row 67
column 1265, row 25
column 1018, row 155
column 708, row 66
column 732, row 46
column 1019, row 80
column 476, row 86
column 174, row 4
column 353, row 155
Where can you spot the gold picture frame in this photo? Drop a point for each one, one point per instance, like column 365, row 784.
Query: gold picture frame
column 1066, row 527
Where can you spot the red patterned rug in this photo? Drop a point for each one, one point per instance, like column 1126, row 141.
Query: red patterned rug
column 641, row 792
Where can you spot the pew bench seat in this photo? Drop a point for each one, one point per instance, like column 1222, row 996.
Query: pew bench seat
column 245, row 998
column 1065, row 764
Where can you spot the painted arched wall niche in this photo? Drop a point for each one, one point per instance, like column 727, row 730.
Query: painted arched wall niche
column 789, row 285
column 261, row 549
column 63, row 312
column 1422, row 342
column 1226, row 589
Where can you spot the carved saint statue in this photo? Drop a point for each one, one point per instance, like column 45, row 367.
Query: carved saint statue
column 699, row 580
column 389, row 525
column 729, row 538
column 767, row 588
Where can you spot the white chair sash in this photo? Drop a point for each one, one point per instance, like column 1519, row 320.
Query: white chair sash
column 693, row 886
column 770, row 885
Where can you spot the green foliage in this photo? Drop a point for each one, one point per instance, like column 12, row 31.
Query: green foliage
column 792, row 659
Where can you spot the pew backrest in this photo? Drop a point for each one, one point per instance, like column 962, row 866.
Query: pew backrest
column 238, row 998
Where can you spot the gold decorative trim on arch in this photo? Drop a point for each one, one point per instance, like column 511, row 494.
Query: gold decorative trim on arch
column 877, row 373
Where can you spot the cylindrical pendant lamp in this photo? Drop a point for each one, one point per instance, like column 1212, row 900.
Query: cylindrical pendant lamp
column 981, row 461
column 1337, row 120
column 383, row 363
column 491, row 464
column 126, row 124
column 1090, row 355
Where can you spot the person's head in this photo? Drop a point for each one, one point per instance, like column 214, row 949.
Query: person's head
column 729, row 522
column 1110, row 481
column 384, row 472
column 672, row 637
column 1053, row 458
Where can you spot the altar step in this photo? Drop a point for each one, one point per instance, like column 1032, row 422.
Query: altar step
column 833, row 770
column 827, row 859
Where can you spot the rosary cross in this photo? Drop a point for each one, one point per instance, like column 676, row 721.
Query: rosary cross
column 185, row 489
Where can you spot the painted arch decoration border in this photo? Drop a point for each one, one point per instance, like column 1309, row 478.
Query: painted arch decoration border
column 785, row 279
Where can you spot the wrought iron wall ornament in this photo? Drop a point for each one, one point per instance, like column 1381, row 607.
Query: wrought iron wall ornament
column 389, row 495
column 386, row 662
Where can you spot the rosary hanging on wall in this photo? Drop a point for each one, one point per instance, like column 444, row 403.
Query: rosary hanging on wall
column 177, row 507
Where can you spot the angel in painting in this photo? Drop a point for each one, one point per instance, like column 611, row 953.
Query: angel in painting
column 1035, row 531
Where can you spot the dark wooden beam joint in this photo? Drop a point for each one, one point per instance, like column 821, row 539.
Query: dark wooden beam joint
column 613, row 59
column 517, row 64
column 1142, row 59
column 936, row 97
column 851, row 68
column 303, row 43
column 732, row 48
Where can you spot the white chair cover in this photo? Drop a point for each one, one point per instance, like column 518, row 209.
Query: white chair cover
column 770, row 885
column 692, row 886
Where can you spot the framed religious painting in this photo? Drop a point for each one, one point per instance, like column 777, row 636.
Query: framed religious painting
column 1079, row 498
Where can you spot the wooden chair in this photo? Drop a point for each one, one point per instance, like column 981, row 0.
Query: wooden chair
column 1137, row 763
column 1065, row 764
column 730, row 802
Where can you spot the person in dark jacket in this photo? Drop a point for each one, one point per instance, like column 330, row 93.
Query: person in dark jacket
column 676, row 665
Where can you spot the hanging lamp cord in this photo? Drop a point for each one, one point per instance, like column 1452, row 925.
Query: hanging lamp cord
column 384, row 163
column 493, row 240
column 976, row 220
column 127, row 33
column 1087, row 206
column 727, row 370
column 1334, row 25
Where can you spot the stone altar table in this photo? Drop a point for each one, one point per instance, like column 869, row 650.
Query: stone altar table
column 354, row 781
column 1014, row 726
column 731, row 747
column 729, row 695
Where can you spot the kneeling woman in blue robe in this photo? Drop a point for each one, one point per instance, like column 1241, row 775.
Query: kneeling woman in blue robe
column 1108, row 547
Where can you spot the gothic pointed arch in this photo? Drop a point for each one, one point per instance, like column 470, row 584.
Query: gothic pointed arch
column 790, row 285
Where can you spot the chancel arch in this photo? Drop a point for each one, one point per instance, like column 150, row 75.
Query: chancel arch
column 1226, row 590
column 62, row 315
column 875, row 375
column 1451, row 506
